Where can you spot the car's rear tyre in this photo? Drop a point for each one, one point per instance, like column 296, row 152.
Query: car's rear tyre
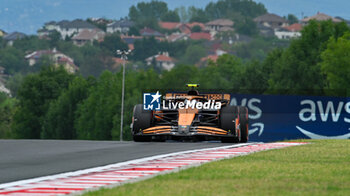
column 244, row 123
column 228, row 115
column 142, row 119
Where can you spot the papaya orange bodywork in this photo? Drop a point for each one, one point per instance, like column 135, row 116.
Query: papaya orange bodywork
column 186, row 116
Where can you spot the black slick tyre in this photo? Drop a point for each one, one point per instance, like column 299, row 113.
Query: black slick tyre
column 142, row 119
column 243, row 124
column 228, row 115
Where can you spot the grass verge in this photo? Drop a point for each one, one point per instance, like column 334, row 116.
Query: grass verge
column 320, row 168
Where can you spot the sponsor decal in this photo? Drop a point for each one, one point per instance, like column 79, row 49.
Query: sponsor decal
column 328, row 112
column 192, row 104
column 151, row 101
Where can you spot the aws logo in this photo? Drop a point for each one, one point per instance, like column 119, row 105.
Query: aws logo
column 255, row 113
column 313, row 111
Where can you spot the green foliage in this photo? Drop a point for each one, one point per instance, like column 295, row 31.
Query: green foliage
column 134, row 31
column 145, row 48
column 98, row 117
column 148, row 13
column 225, row 8
column 31, row 43
column 258, row 48
column 298, row 70
column 112, row 43
column 246, row 26
column 292, row 19
column 14, row 83
column 12, row 60
column 35, row 95
column 197, row 15
column 170, row 16
column 7, row 109
column 193, row 54
column 196, row 28
column 95, row 114
column 60, row 117
column 336, row 64
column 226, row 73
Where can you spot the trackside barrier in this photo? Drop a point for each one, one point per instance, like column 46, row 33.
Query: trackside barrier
column 276, row 117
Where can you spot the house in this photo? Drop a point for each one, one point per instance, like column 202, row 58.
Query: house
column 69, row 28
column 11, row 37
column 57, row 57
column 200, row 35
column 319, row 17
column 177, row 36
column 130, row 40
column 265, row 30
column 3, row 89
column 2, row 33
column 219, row 25
column 296, row 27
column 148, row 32
column 169, row 25
column 162, row 61
column 121, row 26
column 205, row 60
column 2, row 70
column 283, row 33
column 235, row 39
column 193, row 24
column 102, row 21
column 288, row 32
column 271, row 20
column 88, row 36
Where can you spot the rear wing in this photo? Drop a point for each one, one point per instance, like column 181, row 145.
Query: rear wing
column 209, row 96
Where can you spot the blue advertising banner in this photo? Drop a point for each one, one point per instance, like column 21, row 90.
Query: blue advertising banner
column 273, row 117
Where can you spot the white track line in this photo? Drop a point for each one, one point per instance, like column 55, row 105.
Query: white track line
column 117, row 174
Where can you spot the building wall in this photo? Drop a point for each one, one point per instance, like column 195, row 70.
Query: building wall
column 287, row 34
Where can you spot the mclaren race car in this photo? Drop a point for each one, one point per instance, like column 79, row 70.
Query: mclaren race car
column 191, row 116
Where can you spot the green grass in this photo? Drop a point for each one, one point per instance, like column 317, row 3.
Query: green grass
column 320, row 168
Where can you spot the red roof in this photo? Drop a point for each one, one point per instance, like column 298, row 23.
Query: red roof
column 164, row 58
column 169, row 25
column 294, row 27
column 201, row 25
column 201, row 35
column 211, row 57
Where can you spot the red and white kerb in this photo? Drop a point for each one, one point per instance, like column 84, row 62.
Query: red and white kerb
column 130, row 171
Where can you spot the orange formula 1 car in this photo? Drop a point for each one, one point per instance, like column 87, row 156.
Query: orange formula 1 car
column 191, row 116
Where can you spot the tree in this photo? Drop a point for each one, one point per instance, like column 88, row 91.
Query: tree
column 193, row 54
column 336, row 65
column 148, row 13
column 95, row 115
column 61, row 115
column 197, row 15
column 145, row 48
column 225, row 73
column 7, row 109
column 183, row 13
column 298, row 70
column 12, row 60
column 112, row 43
column 246, row 27
column 292, row 19
column 35, row 95
column 196, row 28
column 170, row 16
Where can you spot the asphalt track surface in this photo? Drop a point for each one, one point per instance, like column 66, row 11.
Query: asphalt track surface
column 25, row 159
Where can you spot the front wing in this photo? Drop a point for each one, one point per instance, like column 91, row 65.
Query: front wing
column 186, row 131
